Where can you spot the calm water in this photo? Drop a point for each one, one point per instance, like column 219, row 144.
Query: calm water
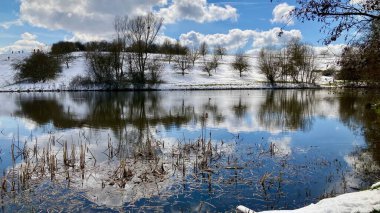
column 185, row 150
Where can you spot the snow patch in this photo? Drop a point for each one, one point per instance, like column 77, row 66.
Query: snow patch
column 364, row 201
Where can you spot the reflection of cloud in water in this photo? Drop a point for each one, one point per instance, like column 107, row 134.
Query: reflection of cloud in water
column 362, row 163
column 80, row 109
column 282, row 146
column 235, row 111
column 8, row 103
column 28, row 124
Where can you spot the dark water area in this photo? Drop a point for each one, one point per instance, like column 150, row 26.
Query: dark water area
column 186, row 151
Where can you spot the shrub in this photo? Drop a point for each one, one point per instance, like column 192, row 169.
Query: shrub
column 79, row 81
column 100, row 67
column 37, row 67
column 155, row 68
column 330, row 72
column 62, row 50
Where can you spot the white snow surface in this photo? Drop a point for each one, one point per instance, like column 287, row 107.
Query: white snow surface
column 224, row 78
column 363, row 201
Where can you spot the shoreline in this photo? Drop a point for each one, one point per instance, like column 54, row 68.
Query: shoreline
column 263, row 86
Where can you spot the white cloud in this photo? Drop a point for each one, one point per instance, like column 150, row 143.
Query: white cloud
column 86, row 19
column 281, row 14
column 93, row 19
column 28, row 42
column 330, row 50
column 6, row 25
column 197, row 10
column 28, row 36
column 237, row 39
column 161, row 38
column 87, row 37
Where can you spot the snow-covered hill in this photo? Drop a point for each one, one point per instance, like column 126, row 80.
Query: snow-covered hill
column 224, row 78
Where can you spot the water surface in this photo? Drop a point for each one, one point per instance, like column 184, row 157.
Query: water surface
column 186, row 150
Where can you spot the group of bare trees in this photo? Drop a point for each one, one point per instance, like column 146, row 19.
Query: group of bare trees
column 295, row 62
column 358, row 22
column 186, row 61
column 119, row 66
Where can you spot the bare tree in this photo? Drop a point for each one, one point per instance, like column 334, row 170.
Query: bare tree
column 269, row 65
column 301, row 61
column 155, row 68
column 207, row 67
column 142, row 32
column 120, row 45
column 183, row 63
column 240, row 63
column 167, row 49
column 194, row 54
column 215, row 62
column 121, row 30
column 220, row 51
column 203, row 49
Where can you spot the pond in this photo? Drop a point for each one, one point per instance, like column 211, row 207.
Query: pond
column 185, row 150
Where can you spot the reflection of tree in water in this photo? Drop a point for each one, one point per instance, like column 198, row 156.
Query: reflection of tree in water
column 43, row 110
column 356, row 112
column 288, row 109
column 106, row 110
column 130, row 115
column 240, row 109
column 212, row 111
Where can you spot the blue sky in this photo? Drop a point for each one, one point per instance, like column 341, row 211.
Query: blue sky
column 236, row 24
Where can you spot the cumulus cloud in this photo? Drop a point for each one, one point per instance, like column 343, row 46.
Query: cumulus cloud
column 197, row 10
column 28, row 42
column 237, row 39
column 330, row 50
column 281, row 14
column 93, row 19
column 87, row 19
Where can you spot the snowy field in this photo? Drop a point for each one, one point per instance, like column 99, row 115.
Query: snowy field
column 224, row 78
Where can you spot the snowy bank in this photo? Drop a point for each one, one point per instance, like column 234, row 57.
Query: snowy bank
column 364, row 201
column 223, row 78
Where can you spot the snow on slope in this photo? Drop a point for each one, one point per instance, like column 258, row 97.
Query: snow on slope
column 364, row 201
column 224, row 78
